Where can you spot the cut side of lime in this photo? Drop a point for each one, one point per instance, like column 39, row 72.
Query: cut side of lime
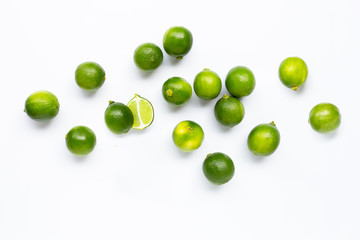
column 142, row 111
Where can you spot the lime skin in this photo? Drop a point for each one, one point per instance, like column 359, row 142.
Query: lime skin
column 177, row 41
column 229, row 111
column 42, row 106
column 264, row 139
column 118, row 118
column 80, row 140
column 293, row 72
column 207, row 84
column 324, row 117
column 188, row 135
column 148, row 56
column 176, row 90
column 218, row 168
column 240, row 81
column 89, row 76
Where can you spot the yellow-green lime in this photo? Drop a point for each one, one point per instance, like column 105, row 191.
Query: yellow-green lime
column 80, row 140
column 148, row 56
column 177, row 41
column 118, row 117
column 240, row 81
column 229, row 111
column 218, row 168
column 42, row 106
column 325, row 117
column 89, row 76
column 188, row 135
column 176, row 90
column 207, row 84
column 293, row 72
column 142, row 111
column 264, row 139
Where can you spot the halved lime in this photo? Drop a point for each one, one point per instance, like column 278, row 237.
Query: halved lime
column 142, row 110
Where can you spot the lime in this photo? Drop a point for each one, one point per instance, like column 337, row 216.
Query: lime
column 80, row 140
column 188, row 135
column 207, row 84
column 176, row 90
column 325, row 117
column 229, row 111
column 89, row 76
column 293, row 72
column 218, row 168
column 177, row 41
column 142, row 111
column 148, row 56
column 240, row 81
column 42, row 106
column 264, row 139
column 118, row 117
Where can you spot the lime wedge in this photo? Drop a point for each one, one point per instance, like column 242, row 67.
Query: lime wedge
column 142, row 111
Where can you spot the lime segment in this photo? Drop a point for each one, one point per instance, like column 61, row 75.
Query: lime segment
column 142, row 110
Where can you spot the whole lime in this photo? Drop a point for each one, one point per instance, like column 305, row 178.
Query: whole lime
column 89, row 76
column 229, row 111
column 207, row 84
column 188, row 135
column 218, row 168
column 148, row 56
column 42, row 106
column 177, row 41
column 293, row 72
column 176, row 90
column 118, row 117
column 240, row 81
column 80, row 140
column 264, row 139
column 325, row 117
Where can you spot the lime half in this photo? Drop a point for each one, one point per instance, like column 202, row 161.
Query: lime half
column 142, row 110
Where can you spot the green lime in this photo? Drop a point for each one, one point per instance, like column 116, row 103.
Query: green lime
column 218, row 168
column 118, row 117
column 325, row 117
column 188, row 136
column 148, row 56
column 293, row 72
column 142, row 111
column 264, row 139
column 89, row 76
column 176, row 90
column 177, row 42
column 80, row 140
column 240, row 81
column 42, row 106
column 207, row 84
column 229, row 111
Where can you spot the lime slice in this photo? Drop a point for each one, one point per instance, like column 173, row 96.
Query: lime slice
column 142, row 110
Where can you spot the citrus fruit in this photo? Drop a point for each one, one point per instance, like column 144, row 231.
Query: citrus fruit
column 218, row 168
column 42, row 106
column 148, row 56
column 176, row 90
column 325, row 117
column 118, row 117
column 240, row 81
column 142, row 111
column 207, row 84
column 264, row 139
column 177, row 41
column 293, row 72
column 89, row 76
column 80, row 140
column 229, row 111
column 188, row 135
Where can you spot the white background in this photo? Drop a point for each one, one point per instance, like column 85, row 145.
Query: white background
column 139, row 185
